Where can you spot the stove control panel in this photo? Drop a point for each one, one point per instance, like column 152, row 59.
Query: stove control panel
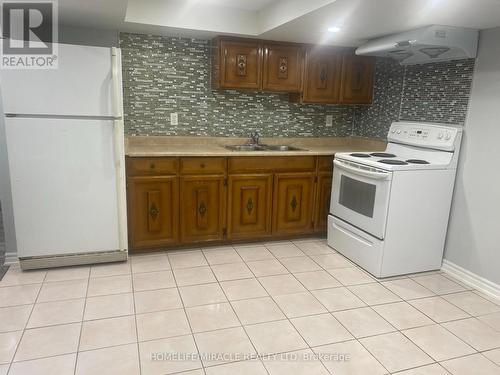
column 441, row 137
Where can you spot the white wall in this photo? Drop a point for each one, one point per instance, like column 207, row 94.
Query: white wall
column 88, row 37
column 473, row 240
column 5, row 192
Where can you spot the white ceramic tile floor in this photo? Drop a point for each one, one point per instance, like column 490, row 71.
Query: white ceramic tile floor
column 220, row 310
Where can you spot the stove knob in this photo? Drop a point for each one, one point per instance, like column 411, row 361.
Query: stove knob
column 393, row 131
column 447, row 136
column 399, row 131
column 440, row 136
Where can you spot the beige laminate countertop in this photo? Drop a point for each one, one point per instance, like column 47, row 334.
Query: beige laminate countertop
column 156, row 146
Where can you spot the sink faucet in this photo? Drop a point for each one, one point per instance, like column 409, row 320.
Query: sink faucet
column 254, row 138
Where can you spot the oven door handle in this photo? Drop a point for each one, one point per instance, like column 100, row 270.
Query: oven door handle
column 361, row 172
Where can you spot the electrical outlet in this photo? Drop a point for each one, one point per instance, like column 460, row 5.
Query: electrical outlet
column 174, row 119
column 329, row 120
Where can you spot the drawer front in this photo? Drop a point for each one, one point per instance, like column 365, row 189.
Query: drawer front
column 272, row 164
column 152, row 166
column 203, row 165
column 325, row 163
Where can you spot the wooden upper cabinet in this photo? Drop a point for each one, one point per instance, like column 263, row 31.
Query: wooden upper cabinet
column 293, row 203
column 357, row 79
column 237, row 64
column 322, row 76
column 282, row 67
column 202, row 208
column 249, row 206
column 153, row 211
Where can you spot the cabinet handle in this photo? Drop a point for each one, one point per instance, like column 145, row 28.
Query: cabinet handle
column 153, row 211
column 241, row 63
column 283, row 67
column 249, row 205
column 322, row 75
column 294, row 203
column 358, row 75
column 202, row 209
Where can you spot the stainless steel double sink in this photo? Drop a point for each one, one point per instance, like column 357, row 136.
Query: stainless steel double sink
column 263, row 147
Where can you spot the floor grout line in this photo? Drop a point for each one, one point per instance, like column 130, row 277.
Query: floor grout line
column 25, row 325
column 81, row 324
column 239, row 320
column 188, row 321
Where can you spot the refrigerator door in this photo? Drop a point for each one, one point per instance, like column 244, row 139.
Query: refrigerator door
column 64, row 186
column 82, row 85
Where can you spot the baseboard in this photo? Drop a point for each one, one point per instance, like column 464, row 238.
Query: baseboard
column 11, row 258
column 471, row 279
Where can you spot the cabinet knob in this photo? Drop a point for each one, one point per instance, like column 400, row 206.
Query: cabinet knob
column 249, row 205
column 202, row 209
column 152, row 166
column 294, row 203
column 154, row 211
column 202, row 165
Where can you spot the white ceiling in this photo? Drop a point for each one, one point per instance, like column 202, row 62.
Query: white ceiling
column 289, row 20
column 239, row 4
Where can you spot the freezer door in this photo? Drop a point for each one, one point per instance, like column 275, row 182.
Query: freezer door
column 64, row 188
column 82, row 85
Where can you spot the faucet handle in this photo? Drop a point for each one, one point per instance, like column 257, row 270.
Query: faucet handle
column 255, row 137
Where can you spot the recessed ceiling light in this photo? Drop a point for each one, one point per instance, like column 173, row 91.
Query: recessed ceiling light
column 334, row 29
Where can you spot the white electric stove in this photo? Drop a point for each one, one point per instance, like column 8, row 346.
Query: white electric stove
column 389, row 210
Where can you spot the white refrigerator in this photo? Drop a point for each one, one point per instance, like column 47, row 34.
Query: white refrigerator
column 65, row 142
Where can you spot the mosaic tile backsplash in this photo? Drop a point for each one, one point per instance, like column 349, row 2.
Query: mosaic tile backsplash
column 437, row 92
column 375, row 120
column 162, row 75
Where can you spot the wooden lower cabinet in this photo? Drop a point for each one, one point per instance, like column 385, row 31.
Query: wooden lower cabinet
column 197, row 200
column 153, row 211
column 249, row 206
column 202, row 208
column 293, row 203
column 322, row 206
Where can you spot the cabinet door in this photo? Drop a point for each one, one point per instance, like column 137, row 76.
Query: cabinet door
column 357, row 79
column 323, row 193
column 322, row 76
column 153, row 211
column 282, row 68
column 293, row 203
column 241, row 64
column 249, row 206
column 202, row 208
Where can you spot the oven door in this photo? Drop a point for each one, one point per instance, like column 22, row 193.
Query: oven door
column 360, row 196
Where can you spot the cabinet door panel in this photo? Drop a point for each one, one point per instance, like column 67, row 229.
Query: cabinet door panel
column 293, row 203
column 241, row 65
column 282, row 68
column 323, row 193
column 322, row 76
column 249, row 206
column 153, row 204
column 357, row 79
column 202, row 208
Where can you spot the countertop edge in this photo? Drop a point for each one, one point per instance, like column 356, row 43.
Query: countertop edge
column 206, row 147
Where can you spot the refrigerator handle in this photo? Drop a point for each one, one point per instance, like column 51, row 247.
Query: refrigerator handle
column 119, row 153
column 116, row 82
